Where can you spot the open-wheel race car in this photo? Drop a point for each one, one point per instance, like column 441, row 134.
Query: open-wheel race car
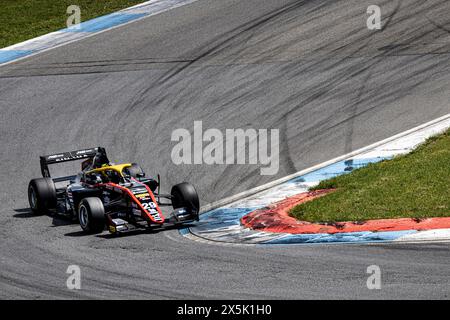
column 118, row 197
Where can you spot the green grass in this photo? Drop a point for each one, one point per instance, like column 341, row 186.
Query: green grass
column 416, row 185
column 21, row 20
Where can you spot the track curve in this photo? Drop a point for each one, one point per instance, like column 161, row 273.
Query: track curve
column 309, row 68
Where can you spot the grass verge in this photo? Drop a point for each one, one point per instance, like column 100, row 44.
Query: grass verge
column 416, row 185
column 21, row 20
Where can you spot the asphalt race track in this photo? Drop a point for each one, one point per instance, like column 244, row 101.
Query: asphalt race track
column 310, row 68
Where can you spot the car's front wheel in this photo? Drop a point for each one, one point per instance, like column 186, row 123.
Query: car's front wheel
column 91, row 215
column 185, row 195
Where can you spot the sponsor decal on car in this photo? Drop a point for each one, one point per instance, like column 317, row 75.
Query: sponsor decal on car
column 142, row 195
column 55, row 156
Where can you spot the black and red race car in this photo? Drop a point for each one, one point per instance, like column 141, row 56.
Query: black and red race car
column 116, row 196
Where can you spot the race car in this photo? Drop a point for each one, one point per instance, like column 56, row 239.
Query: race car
column 116, row 196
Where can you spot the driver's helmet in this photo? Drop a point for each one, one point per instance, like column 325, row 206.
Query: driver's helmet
column 95, row 177
column 113, row 176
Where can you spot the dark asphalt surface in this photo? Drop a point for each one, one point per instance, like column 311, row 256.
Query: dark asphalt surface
column 311, row 69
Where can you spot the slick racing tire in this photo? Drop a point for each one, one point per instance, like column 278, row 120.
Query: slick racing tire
column 185, row 195
column 91, row 215
column 41, row 195
column 135, row 170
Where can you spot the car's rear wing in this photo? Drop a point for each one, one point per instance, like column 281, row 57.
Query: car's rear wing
column 64, row 157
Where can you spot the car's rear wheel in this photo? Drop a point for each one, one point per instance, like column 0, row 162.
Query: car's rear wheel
column 41, row 195
column 185, row 195
column 91, row 215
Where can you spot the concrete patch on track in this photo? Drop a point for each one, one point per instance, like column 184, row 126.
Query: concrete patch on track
column 222, row 221
column 87, row 29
